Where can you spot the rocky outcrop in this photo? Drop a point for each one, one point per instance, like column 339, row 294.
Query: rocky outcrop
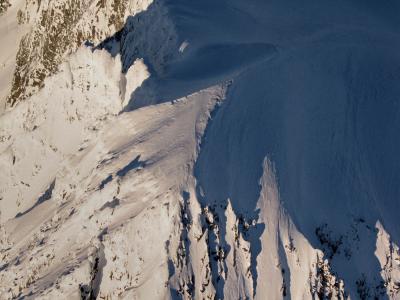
column 59, row 28
column 4, row 5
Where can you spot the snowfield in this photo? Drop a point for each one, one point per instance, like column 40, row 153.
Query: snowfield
column 201, row 150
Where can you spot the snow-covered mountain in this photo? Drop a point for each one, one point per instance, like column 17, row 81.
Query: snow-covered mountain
column 181, row 149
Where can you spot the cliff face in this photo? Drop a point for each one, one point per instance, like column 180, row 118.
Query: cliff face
column 199, row 150
column 58, row 28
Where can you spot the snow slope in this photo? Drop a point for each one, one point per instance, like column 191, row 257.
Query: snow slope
column 211, row 150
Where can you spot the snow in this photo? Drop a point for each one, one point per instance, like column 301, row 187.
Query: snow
column 230, row 149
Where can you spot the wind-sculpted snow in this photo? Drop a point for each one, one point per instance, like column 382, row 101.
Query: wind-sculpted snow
column 209, row 150
column 323, row 121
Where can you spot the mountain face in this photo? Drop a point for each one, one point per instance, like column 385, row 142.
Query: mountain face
column 199, row 149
